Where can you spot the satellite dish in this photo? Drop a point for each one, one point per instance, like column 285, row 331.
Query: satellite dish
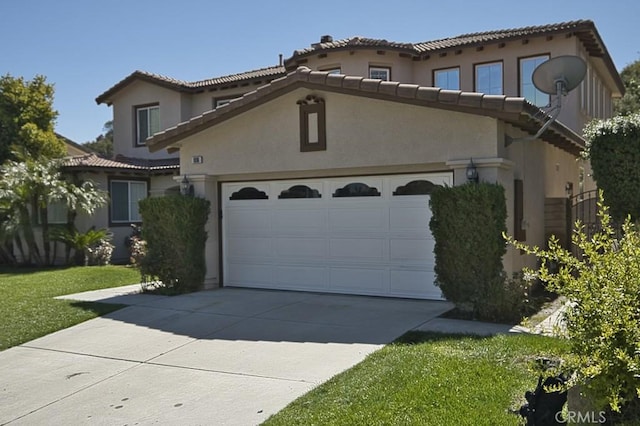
column 557, row 76
column 560, row 75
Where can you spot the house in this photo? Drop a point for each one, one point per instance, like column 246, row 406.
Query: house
column 143, row 104
column 320, row 170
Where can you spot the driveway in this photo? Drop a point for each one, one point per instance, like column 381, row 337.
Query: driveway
column 228, row 356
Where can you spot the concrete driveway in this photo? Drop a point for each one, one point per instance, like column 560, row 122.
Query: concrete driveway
column 229, row 356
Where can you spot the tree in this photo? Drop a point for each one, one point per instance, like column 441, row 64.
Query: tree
column 27, row 120
column 602, row 320
column 103, row 144
column 613, row 146
column 26, row 190
column 630, row 102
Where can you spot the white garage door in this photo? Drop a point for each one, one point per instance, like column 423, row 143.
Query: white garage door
column 357, row 235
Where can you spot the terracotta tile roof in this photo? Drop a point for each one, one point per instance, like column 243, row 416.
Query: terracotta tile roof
column 94, row 161
column 267, row 73
column 151, row 164
column 513, row 110
column 473, row 39
column 355, row 43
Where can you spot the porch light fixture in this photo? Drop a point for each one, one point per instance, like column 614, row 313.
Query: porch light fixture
column 568, row 189
column 472, row 172
column 185, row 187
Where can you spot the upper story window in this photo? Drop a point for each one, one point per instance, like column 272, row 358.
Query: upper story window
column 337, row 70
column 489, row 78
column 448, row 78
column 125, row 196
column 147, row 122
column 218, row 102
column 527, row 89
column 380, row 73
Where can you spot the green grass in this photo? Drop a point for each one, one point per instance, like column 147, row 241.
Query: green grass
column 27, row 307
column 429, row 379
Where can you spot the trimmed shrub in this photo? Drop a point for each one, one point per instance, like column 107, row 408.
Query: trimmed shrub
column 467, row 223
column 174, row 231
column 603, row 315
column 613, row 146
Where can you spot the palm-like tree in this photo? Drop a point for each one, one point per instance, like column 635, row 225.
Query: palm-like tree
column 26, row 190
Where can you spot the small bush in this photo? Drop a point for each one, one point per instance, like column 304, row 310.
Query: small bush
column 508, row 300
column 603, row 318
column 467, row 223
column 100, row 254
column 174, row 231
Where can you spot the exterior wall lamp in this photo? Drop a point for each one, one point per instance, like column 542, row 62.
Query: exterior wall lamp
column 472, row 172
column 185, row 187
column 568, row 189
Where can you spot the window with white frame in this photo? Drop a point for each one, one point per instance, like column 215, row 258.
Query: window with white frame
column 125, row 196
column 448, row 78
column 489, row 78
column 380, row 73
column 527, row 89
column 147, row 122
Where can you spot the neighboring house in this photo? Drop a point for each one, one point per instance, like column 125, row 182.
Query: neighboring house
column 319, row 173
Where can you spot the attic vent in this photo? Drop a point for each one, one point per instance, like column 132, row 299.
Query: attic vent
column 197, row 159
column 326, row 39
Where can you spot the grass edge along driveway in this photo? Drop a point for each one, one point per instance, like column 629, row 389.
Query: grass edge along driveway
column 429, row 379
column 28, row 309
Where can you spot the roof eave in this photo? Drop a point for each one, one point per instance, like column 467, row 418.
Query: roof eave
column 107, row 96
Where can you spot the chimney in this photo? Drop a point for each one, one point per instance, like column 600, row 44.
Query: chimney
column 279, row 59
column 326, row 39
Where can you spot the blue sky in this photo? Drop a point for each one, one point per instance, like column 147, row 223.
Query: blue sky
column 85, row 46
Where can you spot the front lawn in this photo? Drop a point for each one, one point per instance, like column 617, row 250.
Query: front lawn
column 28, row 309
column 429, row 379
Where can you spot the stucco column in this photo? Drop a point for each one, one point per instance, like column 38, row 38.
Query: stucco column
column 494, row 170
column 206, row 186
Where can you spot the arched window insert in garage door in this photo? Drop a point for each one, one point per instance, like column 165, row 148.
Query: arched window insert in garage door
column 249, row 193
column 299, row 191
column 357, row 189
column 416, row 187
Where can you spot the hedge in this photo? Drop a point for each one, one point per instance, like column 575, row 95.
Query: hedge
column 467, row 223
column 613, row 146
column 174, row 230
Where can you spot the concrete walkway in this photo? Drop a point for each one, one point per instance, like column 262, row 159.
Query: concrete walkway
column 224, row 357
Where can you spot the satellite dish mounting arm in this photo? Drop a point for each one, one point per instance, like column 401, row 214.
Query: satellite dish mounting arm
column 557, row 76
column 560, row 92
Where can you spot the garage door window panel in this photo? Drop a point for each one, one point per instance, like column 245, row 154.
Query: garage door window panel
column 299, row 191
column 249, row 193
column 415, row 187
column 356, row 189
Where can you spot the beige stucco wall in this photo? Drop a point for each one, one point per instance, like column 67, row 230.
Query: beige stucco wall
column 124, row 103
column 361, row 133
